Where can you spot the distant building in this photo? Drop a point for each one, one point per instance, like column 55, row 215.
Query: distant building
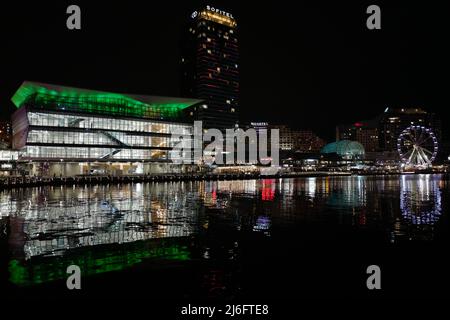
column 5, row 134
column 307, row 141
column 302, row 141
column 394, row 121
column 258, row 126
column 210, row 67
column 286, row 137
column 364, row 132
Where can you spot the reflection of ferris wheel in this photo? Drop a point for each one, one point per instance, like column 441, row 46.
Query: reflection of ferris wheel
column 417, row 146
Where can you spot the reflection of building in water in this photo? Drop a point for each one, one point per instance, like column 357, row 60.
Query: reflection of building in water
column 238, row 186
column 96, row 260
column 268, row 190
column 262, row 224
column 286, row 187
column 54, row 220
column 218, row 193
column 352, row 193
column 420, row 200
column 311, row 187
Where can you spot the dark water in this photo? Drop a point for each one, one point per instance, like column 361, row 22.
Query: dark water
column 229, row 240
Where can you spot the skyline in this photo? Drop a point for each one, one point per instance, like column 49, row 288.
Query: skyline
column 204, row 155
column 309, row 62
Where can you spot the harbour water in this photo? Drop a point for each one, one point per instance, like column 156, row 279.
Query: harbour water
column 229, row 240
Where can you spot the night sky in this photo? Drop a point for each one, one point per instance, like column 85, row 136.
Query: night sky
column 312, row 65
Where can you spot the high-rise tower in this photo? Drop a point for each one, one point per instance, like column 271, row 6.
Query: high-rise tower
column 210, row 67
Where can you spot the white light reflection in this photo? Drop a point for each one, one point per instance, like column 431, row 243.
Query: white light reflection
column 311, row 183
column 420, row 200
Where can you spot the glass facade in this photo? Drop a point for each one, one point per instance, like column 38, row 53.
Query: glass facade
column 48, row 130
column 64, row 137
column 8, row 155
column 103, row 123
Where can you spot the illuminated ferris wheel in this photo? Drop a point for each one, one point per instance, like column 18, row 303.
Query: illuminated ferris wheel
column 417, row 146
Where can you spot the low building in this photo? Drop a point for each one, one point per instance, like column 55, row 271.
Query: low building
column 345, row 149
column 69, row 131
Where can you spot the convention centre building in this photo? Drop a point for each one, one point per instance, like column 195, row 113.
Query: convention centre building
column 64, row 131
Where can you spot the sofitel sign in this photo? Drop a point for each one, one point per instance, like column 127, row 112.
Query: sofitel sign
column 215, row 10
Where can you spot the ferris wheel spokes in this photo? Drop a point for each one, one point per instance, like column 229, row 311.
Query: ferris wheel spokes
column 417, row 146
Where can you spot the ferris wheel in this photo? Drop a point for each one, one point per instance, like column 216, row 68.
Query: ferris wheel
column 417, row 146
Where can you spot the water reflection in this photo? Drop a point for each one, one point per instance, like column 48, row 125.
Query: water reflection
column 114, row 227
column 52, row 220
column 420, row 200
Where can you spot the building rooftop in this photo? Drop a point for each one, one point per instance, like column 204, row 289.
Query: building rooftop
column 215, row 15
column 61, row 98
column 405, row 111
column 344, row 148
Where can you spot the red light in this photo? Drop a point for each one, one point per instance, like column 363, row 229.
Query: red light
column 268, row 190
column 359, row 124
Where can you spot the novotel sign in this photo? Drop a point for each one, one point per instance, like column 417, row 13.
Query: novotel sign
column 215, row 10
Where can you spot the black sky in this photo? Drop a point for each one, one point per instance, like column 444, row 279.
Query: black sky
column 310, row 65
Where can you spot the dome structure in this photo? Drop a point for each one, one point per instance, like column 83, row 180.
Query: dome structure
column 345, row 148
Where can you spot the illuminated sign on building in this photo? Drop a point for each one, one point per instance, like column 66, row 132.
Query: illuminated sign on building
column 259, row 124
column 224, row 13
column 216, row 15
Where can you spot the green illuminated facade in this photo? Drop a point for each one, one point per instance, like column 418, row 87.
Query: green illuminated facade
column 66, row 99
column 96, row 260
column 346, row 149
column 73, row 126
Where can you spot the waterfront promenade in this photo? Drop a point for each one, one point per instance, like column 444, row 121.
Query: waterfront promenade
column 23, row 182
column 20, row 182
